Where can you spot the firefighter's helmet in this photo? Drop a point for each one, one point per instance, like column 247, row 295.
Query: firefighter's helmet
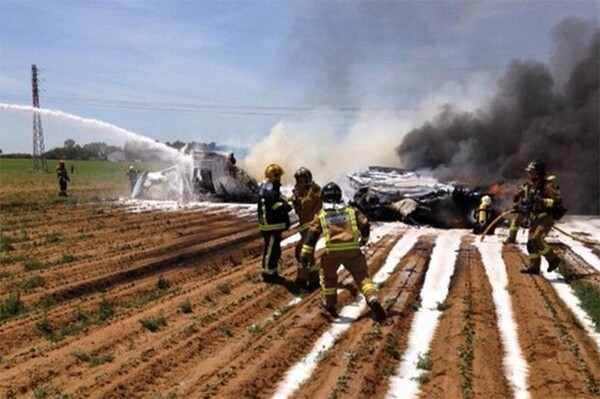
column 303, row 172
column 538, row 166
column 332, row 193
column 486, row 200
column 272, row 171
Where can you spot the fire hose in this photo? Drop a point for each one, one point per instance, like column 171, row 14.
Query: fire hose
column 494, row 222
column 503, row 214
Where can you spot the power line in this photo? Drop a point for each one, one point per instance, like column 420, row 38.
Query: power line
column 258, row 110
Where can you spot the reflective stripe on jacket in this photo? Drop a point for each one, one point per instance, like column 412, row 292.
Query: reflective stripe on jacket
column 342, row 228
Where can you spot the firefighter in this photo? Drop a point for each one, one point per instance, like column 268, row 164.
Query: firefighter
column 483, row 215
column 133, row 176
column 273, row 219
column 63, row 178
column 539, row 200
column 306, row 197
column 345, row 229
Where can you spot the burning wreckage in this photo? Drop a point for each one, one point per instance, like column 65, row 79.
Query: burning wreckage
column 382, row 193
column 207, row 176
column 393, row 194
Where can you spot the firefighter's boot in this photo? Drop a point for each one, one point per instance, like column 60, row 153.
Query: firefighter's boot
column 533, row 268
column 301, row 285
column 512, row 237
column 313, row 281
column 555, row 263
column 375, row 305
column 329, row 308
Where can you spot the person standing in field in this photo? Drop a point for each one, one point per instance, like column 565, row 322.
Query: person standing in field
column 63, row 178
column 273, row 220
column 345, row 229
column 540, row 201
column 306, row 197
column 133, row 176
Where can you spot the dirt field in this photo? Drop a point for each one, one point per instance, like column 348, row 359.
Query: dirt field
column 111, row 303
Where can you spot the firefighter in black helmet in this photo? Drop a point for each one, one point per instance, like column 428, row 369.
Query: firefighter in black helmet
column 540, row 202
column 307, row 200
column 273, row 219
column 345, row 229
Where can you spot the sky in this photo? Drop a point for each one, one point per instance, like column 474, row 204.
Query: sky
column 269, row 76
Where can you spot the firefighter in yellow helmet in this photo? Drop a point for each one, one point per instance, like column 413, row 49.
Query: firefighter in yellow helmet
column 273, row 219
column 539, row 200
column 306, row 197
column 345, row 229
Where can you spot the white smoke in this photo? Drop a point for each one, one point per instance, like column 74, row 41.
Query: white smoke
column 329, row 148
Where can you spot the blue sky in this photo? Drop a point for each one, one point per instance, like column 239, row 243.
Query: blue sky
column 230, row 71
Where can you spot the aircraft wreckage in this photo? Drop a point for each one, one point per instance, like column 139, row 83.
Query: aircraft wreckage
column 382, row 193
column 393, row 194
column 208, row 176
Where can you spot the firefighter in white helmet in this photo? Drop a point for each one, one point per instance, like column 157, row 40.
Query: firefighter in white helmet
column 483, row 215
column 273, row 219
column 345, row 229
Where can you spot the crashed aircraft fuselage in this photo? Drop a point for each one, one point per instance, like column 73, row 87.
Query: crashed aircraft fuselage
column 212, row 176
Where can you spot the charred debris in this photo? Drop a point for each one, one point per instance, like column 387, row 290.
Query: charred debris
column 394, row 194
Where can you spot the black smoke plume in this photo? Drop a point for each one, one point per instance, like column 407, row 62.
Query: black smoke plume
column 534, row 115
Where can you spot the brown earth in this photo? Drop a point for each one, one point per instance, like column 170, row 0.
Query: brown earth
column 156, row 304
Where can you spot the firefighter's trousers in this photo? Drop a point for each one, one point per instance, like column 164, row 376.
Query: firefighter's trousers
column 271, row 251
column 513, row 227
column 354, row 261
column 536, row 243
column 308, row 272
column 62, row 187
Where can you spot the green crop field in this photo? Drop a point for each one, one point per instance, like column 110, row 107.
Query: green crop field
column 91, row 180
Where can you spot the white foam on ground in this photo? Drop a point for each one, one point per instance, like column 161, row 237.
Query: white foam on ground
column 303, row 369
column 567, row 295
column 404, row 383
column 589, row 225
column 515, row 365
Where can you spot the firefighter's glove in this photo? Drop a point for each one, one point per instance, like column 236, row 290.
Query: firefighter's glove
column 363, row 241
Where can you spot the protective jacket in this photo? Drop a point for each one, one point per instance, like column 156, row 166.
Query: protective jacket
column 538, row 199
column 343, row 228
column 307, row 203
column 273, row 208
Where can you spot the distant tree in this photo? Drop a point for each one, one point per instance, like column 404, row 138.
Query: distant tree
column 70, row 150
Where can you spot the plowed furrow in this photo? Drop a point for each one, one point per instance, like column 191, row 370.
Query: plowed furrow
column 255, row 373
column 127, row 331
column 562, row 356
column 466, row 352
column 576, row 266
column 362, row 358
column 25, row 328
column 114, row 242
column 71, row 274
column 221, row 242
